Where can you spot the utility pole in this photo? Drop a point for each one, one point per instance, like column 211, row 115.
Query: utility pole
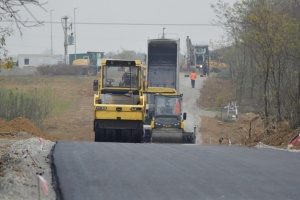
column 66, row 37
column 163, row 36
column 75, row 36
column 51, row 31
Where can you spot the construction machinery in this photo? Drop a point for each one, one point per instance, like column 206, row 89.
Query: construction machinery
column 163, row 86
column 89, row 63
column 119, row 105
column 166, row 118
column 6, row 63
column 197, row 57
column 163, row 63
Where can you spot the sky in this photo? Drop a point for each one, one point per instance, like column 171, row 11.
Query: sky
column 104, row 25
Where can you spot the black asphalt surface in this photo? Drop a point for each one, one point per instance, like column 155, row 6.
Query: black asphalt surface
column 113, row 171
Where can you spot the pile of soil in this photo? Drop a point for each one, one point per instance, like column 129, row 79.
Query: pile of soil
column 9, row 129
column 247, row 129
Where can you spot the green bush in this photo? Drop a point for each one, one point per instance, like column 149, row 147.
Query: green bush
column 32, row 104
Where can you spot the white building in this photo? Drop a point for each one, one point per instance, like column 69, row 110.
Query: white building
column 38, row 60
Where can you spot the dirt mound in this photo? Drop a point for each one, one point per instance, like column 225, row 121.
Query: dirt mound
column 279, row 135
column 22, row 125
column 248, row 129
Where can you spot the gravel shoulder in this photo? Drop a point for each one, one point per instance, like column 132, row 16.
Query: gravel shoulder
column 22, row 158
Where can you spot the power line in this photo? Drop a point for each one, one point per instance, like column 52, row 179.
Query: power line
column 130, row 24
column 142, row 24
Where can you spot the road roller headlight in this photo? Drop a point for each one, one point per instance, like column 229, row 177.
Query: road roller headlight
column 157, row 124
column 101, row 107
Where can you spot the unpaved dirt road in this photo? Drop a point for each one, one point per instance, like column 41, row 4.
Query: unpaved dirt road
column 190, row 96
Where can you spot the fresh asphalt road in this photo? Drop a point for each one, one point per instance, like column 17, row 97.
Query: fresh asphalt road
column 88, row 170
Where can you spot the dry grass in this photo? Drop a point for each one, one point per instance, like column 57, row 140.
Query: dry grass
column 72, row 116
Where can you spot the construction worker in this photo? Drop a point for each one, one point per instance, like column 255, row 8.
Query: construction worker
column 193, row 77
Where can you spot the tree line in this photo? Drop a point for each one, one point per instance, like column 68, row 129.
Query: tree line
column 263, row 52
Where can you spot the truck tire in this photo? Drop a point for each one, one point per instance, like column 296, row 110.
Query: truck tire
column 91, row 71
column 79, row 70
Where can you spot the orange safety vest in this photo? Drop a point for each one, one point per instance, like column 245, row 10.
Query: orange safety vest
column 177, row 111
column 193, row 76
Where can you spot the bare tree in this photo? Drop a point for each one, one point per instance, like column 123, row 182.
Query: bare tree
column 16, row 12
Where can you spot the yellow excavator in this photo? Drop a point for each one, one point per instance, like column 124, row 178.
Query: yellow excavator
column 119, row 105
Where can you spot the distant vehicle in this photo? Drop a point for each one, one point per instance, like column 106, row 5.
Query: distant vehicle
column 197, row 57
column 88, row 62
column 6, row 63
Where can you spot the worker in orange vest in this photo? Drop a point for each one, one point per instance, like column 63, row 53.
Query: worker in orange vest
column 193, row 77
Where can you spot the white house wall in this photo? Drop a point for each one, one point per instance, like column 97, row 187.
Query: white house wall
column 37, row 60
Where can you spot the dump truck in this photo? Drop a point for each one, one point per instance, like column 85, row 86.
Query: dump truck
column 163, row 63
column 119, row 104
column 163, row 83
column 88, row 63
